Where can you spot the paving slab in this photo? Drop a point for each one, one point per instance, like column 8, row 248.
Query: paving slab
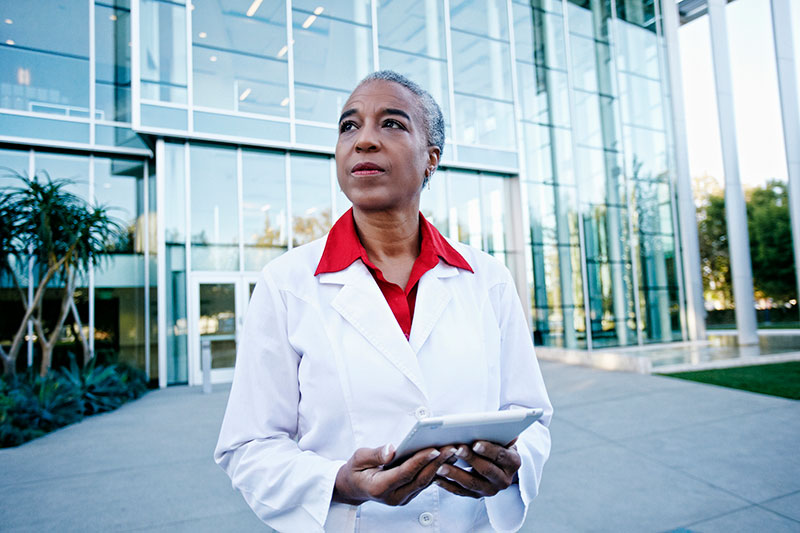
column 747, row 520
column 788, row 506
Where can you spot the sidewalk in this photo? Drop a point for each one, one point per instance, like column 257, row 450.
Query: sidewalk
column 630, row 453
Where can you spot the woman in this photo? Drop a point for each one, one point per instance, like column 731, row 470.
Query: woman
column 351, row 339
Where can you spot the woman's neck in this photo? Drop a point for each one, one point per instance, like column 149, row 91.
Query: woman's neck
column 389, row 235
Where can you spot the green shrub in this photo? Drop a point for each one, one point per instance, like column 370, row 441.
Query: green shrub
column 31, row 406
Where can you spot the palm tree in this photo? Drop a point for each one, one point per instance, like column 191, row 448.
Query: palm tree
column 64, row 236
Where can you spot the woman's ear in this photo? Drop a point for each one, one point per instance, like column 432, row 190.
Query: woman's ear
column 434, row 153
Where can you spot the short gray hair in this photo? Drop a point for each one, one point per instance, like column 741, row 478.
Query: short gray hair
column 431, row 112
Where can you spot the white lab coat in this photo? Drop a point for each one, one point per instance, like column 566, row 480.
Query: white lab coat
column 323, row 368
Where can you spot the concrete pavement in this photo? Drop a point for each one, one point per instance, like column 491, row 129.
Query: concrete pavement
column 630, row 453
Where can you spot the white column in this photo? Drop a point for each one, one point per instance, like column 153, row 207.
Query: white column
column 690, row 245
column 736, row 213
column 790, row 113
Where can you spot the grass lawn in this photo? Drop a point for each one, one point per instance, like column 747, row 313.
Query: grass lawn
column 779, row 379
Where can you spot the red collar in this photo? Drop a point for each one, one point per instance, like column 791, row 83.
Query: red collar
column 343, row 247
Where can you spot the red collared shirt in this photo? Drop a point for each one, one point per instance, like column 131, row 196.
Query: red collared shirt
column 343, row 247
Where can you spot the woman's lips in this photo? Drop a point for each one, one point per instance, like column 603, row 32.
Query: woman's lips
column 366, row 169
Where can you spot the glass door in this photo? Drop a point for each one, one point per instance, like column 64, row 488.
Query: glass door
column 217, row 306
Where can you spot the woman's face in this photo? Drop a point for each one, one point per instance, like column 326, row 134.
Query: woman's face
column 382, row 152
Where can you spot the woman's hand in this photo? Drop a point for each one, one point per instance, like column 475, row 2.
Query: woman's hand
column 362, row 479
column 493, row 469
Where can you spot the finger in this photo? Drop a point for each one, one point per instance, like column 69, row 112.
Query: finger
column 496, row 475
column 472, row 481
column 365, row 458
column 424, row 477
column 407, row 471
column 506, row 458
column 455, row 488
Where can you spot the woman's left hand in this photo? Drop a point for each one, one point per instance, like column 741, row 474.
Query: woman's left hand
column 493, row 469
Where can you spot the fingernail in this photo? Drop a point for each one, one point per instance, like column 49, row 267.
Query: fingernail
column 478, row 447
column 442, row 471
column 461, row 451
column 387, row 450
column 433, row 455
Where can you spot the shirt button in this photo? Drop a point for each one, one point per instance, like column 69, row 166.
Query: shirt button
column 421, row 412
column 426, row 519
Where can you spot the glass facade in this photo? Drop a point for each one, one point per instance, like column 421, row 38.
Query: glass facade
column 209, row 126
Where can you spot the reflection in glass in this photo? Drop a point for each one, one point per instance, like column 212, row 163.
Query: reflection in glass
column 263, row 207
column 113, row 66
column 311, row 198
column 481, row 17
column 465, row 208
column 175, row 259
column 433, row 202
column 330, row 56
column 217, row 322
column 163, row 44
column 70, row 167
column 240, row 61
column 214, row 204
column 485, row 122
column 496, row 208
column 45, row 53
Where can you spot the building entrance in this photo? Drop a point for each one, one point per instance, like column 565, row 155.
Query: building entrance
column 217, row 305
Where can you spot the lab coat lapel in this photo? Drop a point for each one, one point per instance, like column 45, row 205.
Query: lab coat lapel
column 362, row 304
column 432, row 300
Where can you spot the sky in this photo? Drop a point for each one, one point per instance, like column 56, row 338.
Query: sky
column 759, row 129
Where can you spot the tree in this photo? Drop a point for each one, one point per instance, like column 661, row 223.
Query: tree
column 63, row 236
column 771, row 242
column 770, row 235
column 714, row 257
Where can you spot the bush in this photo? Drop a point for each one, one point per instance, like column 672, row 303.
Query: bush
column 31, row 406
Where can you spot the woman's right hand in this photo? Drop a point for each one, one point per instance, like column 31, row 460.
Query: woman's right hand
column 362, row 479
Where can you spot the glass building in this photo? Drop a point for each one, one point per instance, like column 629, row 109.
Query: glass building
column 210, row 126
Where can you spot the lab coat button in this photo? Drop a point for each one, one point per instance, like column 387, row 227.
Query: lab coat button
column 426, row 519
column 421, row 412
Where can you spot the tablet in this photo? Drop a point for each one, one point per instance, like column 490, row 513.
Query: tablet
column 500, row 427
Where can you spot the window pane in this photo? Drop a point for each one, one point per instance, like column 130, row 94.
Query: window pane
column 119, row 281
column 330, row 57
column 465, row 208
column 12, row 161
column 263, row 207
column 240, row 62
column 352, row 10
column 496, row 196
column 118, row 184
column 433, row 202
column 481, row 66
column 422, row 30
column 483, row 17
column 163, row 36
column 113, row 67
column 175, row 259
column 485, row 122
column 311, row 198
column 70, row 167
column 45, row 51
column 215, row 220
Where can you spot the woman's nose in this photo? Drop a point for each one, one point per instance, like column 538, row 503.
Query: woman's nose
column 367, row 140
